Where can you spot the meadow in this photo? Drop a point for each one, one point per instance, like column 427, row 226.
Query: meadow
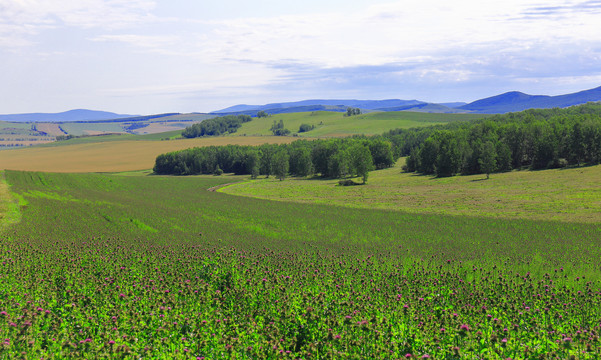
column 542, row 195
column 328, row 124
column 114, row 266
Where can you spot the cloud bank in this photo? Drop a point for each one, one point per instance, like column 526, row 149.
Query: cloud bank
column 426, row 49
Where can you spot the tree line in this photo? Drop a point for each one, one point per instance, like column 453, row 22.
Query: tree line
column 534, row 139
column 331, row 158
column 216, row 126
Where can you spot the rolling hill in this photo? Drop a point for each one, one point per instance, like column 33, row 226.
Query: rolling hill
column 517, row 101
column 508, row 102
column 341, row 106
column 71, row 115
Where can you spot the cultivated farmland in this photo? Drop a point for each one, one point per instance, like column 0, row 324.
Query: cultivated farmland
column 149, row 266
column 116, row 154
column 134, row 265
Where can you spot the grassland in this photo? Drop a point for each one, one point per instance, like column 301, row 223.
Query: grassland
column 111, row 266
column 115, row 154
column 5, row 200
column 543, row 195
column 336, row 124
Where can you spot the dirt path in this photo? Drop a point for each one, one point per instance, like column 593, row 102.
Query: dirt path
column 215, row 188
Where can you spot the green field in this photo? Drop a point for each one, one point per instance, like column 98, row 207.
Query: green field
column 543, row 195
column 336, row 124
column 113, row 266
column 129, row 265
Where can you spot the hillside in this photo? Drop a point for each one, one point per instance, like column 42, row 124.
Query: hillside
column 541, row 195
column 362, row 104
column 337, row 124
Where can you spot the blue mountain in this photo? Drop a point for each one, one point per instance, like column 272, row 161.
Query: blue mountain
column 517, row 101
column 362, row 104
column 71, row 115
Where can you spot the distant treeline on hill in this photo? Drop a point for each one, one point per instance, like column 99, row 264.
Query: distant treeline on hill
column 333, row 158
column 535, row 139
column 216, row 126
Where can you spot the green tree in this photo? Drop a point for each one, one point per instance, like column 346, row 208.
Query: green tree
column 350, row 111
column 267, row 153
column 253, row 162
column 339, row 164
column 305, row 128
column 381, row 153
column 300, row 161
column 488, row 158
column 278, row 128
column 281, row 163
column 218, row 171
column 362, row 161
column 262, row 114
column 427, row 156
column 448, row 159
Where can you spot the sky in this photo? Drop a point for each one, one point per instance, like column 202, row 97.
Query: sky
column 157, row 56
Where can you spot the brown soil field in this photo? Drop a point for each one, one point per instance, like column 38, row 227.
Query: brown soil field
column 97, row 132
column 113, row 156
column 50, row 129
column 155, row 128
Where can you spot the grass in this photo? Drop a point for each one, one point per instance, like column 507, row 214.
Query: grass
column 9, row 205
column 110, row 266
column 543, row 195
column 118, row 154
column 5, row 200
column 336, row 124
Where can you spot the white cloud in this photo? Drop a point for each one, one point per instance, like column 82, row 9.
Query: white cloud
column 20, row 19
column 159, row 43
column 131, row 49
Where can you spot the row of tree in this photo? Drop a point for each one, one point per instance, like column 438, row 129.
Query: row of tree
column 332, row 158
column 216, row 126
column 350, row 111
column 535, row 139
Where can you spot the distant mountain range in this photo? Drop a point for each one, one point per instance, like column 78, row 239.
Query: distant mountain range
column 517, row 101
column 341, row 106
column 508, row 102
column 71, row 115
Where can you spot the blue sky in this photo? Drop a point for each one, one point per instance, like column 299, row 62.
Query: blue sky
column 152, row 56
